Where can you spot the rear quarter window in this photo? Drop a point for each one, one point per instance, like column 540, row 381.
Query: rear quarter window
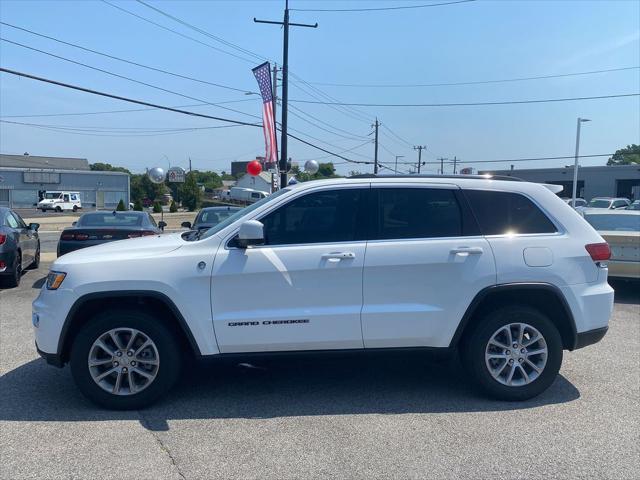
column 504, row 213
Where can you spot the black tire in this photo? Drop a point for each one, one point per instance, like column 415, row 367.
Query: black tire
column 59, row 209
column 44, row 210
column 13, row 280
column 36, row 260
column 155, row 329
column 475, row 343
column 75, row 208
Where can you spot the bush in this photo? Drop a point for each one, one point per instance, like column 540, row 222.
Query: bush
column 137, row 206
column 157, row 208
column 120, row 207
column 173, row 208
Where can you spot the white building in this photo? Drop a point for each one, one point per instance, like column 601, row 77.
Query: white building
column 261, row 182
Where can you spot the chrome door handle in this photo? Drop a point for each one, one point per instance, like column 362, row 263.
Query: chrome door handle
column 467, row 251
column 339, row 255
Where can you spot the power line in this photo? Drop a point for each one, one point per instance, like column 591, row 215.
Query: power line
column 504, row 160
column 203, row 32
column 502, row 102
column 476, row 82
column 160, row 107
column 378, row 9
column 131, row 62
column 397, row 136
column 104, row 112
column 127, row 78
column 343, row 110
column 176, row 32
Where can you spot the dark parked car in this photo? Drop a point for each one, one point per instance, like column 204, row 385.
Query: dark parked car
column 210, row 217
column 19, row 247
column 95, row 228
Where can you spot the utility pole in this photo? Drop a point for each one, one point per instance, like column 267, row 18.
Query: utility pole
column 419, row 148
column 441, row 166
column 375, row 152
column 189, row 164
column 455, row 160
column 285, row 86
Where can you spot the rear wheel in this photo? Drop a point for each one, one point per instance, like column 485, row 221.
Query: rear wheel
column 59, row 209
column 515, row 353
column 125, row 359
column 13, row 280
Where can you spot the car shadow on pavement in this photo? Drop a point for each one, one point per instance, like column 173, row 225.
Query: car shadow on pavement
column 278, row 388
column 627, row 291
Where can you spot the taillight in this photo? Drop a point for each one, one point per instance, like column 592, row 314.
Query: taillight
column 3, row 238
column 599, row 251
column 74, row 236
column 141, row 234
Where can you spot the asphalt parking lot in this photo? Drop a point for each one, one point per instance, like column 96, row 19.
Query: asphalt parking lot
column 401, row 417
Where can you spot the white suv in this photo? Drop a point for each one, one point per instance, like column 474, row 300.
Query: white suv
column 504, row 272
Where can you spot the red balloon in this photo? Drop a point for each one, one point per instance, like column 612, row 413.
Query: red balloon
column 254, row 168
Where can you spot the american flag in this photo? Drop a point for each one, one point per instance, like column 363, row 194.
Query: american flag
column 263, row 76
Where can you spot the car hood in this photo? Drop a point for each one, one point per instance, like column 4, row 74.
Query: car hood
column 119, row 250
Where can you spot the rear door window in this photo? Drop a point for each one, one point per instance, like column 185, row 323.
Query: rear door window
column 404, row 213
column 504, row 213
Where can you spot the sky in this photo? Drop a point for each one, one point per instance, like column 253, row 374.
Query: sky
column 457, row 43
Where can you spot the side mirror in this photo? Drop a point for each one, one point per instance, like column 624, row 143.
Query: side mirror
column 186, row 225
column 161, row 225
column 251, row 233
column 34, row 226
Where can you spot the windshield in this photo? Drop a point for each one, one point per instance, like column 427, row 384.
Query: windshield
column 52, row 195
column 599, row 203
column 225, row 223
column 625, row 223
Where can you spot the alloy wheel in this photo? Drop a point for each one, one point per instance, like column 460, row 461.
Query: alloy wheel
column 516, row 354
column 123, row 361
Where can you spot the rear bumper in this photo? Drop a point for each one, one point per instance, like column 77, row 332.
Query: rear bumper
column 8, row 258
column 590, row 337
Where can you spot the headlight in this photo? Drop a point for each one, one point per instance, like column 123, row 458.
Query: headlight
column 55, row 279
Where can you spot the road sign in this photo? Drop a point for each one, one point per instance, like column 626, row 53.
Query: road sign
column 176, row 175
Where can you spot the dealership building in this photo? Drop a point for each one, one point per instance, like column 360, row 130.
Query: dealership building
column 601, row 181
column 23, row 176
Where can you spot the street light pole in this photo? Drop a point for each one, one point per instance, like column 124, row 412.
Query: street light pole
column 575, row 164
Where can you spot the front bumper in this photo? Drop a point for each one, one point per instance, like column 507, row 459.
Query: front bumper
column 51, row 358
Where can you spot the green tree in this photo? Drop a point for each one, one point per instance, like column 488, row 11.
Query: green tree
column 142, row 187
column 326, row 170
column 121, row 207
column 107, row 167
column 626, row 156
column 173, row 208
column 190, row 193
column 157, row 208
column 137, row 205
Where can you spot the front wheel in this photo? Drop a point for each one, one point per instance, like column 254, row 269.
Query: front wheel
column 125, row 360
column 59, row 209
column 515, row 353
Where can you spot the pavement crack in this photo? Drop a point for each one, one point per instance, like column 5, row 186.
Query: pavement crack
column 147, row 425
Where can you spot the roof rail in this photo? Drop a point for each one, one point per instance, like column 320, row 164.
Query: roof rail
column 476, row 177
